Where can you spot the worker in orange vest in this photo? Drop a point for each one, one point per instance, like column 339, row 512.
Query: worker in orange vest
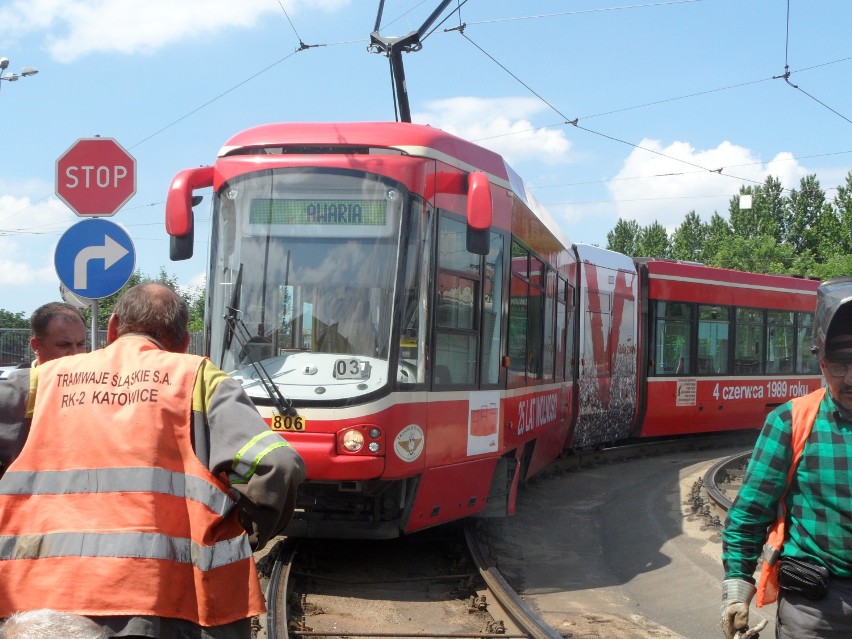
column 138, row 481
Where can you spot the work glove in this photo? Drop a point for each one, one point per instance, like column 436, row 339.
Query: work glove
column 753, row 632
column 736, row 596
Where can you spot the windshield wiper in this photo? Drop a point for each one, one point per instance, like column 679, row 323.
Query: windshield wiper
column 238, row 329
column 235, row 304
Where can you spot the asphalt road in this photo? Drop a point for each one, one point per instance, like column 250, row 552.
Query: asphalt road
column 617, row 550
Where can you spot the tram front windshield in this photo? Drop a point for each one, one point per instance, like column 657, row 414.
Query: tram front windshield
column 303, row 266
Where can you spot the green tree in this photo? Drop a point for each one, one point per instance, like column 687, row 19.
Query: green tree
column 834, row 266
column 652, row 241
column 767, row 214
column 760, row 254
column 825, row 233
column 622, row 238
column 843, row 207
column 718, row 234
column 806, row 205
column 8, row 319
column 689, row 238
column 196, row 299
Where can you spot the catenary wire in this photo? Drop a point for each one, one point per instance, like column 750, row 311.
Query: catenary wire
column 786, row 75
column 575, row 121
column 457, row 9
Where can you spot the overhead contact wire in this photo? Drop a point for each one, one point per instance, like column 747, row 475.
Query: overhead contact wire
column 786, row 75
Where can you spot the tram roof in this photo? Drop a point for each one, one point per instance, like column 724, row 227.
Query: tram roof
column 411, row 139
column 416, row 140
column 711, row 275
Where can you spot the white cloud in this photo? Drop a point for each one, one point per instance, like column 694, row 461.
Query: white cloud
column 500, row 124
column 29, row 231
column 81, row 27
column 652, row 186
column 20, row 214
column 20, row 268
column 193, row 283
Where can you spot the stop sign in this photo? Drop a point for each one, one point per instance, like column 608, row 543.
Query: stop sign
column 95, row 177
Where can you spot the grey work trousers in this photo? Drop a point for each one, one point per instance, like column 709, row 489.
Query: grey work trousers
column 827, row 618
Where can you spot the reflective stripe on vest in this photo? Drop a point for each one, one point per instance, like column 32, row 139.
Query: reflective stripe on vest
column 117, row 480
column 804, row 411
column 132, row 544
column 246, row 461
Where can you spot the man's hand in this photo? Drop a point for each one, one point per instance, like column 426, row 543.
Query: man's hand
column 736, row 596
column 751, row 633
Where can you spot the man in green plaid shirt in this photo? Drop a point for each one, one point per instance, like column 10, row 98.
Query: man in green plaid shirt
column 818, row 501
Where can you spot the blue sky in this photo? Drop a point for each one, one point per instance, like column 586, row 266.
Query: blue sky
column 665, row 93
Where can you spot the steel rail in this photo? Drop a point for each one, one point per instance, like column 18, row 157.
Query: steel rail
column 276, row 592
column 522, row 614
column 713, row 478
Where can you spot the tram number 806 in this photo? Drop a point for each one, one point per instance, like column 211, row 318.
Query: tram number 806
column 288, row 422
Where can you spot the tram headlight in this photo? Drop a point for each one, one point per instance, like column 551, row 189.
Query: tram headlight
column 362, row 439
column 353, row 440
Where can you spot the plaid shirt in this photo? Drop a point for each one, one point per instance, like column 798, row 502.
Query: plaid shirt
column 819, row 502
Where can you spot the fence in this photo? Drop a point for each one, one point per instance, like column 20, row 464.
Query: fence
column 15, row 345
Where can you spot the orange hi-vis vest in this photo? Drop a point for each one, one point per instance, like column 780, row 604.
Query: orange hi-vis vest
column 107, row 510
column 804, row 411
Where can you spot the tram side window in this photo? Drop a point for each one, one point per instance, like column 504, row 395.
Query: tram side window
column 517, row 338
column 525, row 316
column 780, row 344
column 492, row 310
column 536, row 321
column 806, row 362
column 570, row 314
column 673, row 323
column 561, row 328
column 412, row 344
column 750, row 332
column 549, row 352
column 713, row 340
column 457, row 301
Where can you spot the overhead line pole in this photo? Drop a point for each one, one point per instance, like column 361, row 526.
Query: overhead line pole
column 393, row 48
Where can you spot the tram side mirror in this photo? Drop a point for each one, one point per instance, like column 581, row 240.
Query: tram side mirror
column 180, row 246
column 479, row 211
column 179, row 215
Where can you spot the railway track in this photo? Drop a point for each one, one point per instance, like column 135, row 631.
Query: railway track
column 723, row 480
column 432, row 585
column 437, row 583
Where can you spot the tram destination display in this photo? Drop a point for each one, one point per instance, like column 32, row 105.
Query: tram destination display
column 362, row 217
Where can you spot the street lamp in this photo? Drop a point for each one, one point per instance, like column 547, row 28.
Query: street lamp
column 13, row 77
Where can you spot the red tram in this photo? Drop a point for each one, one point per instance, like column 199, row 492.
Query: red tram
column 401, row 308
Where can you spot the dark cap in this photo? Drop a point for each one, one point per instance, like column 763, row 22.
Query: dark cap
column 833, row 319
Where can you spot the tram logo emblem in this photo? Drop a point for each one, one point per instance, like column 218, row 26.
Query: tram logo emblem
column 409, row 443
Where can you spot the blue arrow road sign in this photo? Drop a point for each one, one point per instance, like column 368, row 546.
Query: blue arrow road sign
column 94, row 258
